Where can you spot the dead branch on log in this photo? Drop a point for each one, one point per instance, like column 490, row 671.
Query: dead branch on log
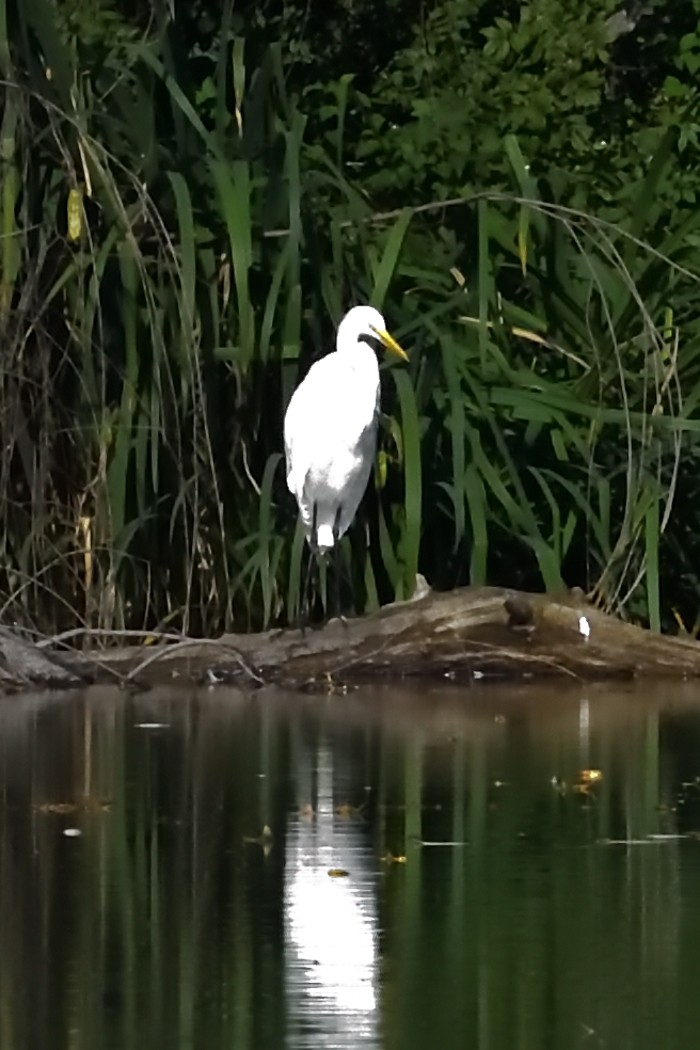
column 174, row 650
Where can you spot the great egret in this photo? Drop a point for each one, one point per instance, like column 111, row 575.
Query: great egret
column 330, row 428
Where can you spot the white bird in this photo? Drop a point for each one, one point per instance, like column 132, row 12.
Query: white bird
column 330, row 428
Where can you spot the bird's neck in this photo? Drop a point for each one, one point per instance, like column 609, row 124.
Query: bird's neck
column 361, row 357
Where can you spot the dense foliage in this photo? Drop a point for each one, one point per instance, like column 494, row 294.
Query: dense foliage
column 190, row 201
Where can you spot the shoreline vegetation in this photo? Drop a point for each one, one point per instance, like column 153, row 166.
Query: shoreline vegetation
column 188, row 204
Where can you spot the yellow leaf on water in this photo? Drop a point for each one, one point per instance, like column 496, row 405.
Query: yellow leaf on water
column 590, row 776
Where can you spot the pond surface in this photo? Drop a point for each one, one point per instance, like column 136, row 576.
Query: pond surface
column 499, row 869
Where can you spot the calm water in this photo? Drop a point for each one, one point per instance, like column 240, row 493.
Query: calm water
column 443, row 868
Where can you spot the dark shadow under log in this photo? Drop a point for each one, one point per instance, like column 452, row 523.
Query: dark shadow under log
column 466, row 634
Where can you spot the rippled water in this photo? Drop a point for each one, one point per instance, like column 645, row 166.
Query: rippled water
column 397, row 867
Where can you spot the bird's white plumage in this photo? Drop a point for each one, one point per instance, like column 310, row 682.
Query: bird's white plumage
column 330, row 430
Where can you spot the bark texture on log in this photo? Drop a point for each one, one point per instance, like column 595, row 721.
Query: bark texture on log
column 470, row 633
column 23, row 664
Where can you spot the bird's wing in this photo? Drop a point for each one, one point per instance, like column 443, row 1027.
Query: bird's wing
column 305, row 421
column 327, row 417
column 289, row 442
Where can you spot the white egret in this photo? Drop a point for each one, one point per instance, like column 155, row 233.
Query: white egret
column 330, row 428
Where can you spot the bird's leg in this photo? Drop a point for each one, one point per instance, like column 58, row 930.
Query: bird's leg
column 304, row 606
column 305, row 600
column 337, row 567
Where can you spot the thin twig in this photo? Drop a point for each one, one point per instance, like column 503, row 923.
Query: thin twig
column 106, row 632
column 246, row 468
column 385, row 216
column 186, row 643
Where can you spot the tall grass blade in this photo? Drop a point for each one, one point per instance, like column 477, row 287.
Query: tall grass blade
column 266, row 535
column 188, row 264
column 476, row 499
column 412, row 476
column 234, row 189
column 9, row 232
column 652, row 532
column 294, row 583
column 484, row 281
column 457, row 432
column 387, row 266
column 238, row 63
column 528, row 189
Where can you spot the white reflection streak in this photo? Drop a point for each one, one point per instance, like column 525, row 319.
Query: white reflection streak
column 330, row 927
column 584, row 725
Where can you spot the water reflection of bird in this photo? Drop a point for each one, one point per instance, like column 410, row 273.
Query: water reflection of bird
column 330, row 926
column 330, row 428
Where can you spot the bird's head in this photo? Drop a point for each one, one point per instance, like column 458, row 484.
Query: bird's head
column 365, row 324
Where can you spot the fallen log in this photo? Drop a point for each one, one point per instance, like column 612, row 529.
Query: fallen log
column 464, row 635
column 23, row 663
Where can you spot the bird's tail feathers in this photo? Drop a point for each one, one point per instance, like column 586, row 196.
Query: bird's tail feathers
column 324, row 537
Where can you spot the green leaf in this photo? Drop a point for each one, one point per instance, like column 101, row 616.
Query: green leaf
column 390, row 257
column 234, row 189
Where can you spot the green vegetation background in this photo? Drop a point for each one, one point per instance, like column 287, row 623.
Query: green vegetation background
column 191, row 196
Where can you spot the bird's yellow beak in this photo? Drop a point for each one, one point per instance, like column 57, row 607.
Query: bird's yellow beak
column 390, row 343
